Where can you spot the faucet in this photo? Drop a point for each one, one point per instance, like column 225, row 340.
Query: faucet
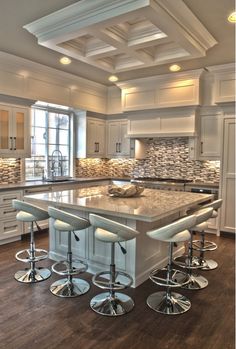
column 52, row 170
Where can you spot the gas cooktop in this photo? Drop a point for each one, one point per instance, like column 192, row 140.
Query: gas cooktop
column 169, row 180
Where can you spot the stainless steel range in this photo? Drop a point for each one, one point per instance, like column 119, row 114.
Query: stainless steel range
column 175, row 184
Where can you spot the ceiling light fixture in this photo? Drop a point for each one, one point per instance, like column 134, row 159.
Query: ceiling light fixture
column 65, row 60
column 174, row 67
column 113, row 78
column 232, row 17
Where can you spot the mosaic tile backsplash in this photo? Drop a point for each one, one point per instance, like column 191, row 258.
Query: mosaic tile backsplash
column 10, row 171
column 166, row 157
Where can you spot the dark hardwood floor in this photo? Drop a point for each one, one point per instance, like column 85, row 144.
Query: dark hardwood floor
column 31, row 317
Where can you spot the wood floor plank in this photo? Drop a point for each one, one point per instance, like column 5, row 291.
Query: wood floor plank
column 31, row 317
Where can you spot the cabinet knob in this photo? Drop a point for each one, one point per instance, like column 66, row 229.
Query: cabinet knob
column 201, row 147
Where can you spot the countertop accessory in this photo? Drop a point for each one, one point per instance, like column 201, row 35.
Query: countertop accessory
column 30, row 213
column 112, row 303
column 69, row 286
column 125, row 191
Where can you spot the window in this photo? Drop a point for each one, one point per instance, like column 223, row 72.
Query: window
column 50, row 143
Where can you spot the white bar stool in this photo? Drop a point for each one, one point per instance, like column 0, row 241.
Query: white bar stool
column 30, row 213
column 188, row 261
column 203, row 245
column 112, row 303
column 69, row 286
column 168, row 302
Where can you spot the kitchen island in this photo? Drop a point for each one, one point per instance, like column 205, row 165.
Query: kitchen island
column 154, row 208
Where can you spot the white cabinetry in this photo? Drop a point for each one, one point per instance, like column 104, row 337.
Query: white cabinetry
column 90, row 136
column 224, row 84
column 10, row 228
column 14, row 131
column 210, row 135
column 118, row 145
column 227, row 222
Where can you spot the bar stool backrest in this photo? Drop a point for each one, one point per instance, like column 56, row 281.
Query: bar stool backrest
column 203, row 215
column 35, row 211
column 170, row 230
column 121, row 230
column 76, row 222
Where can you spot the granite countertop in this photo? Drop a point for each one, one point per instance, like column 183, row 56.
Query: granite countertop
column 38, row 183
column 151, row 206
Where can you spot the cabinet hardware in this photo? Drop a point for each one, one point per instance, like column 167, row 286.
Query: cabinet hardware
column 116, row 147
column 11, row 140
column 201, row 147
column 119, row 147
column 8, row 199
column 98, row 146
column 10, row 211
column 14, row 143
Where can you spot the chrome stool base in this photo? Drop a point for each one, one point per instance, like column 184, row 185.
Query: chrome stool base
column 108, row 305
column 207, row 264
column 189, row 263
column 30, row 276
column 173, row 304
column 67, row 289
column 197, row 282
column 207, row 245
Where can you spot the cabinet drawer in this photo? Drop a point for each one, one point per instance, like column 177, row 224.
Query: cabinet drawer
column 7, row 212
column 10, row 229
column 42, row 189
column 7, row 197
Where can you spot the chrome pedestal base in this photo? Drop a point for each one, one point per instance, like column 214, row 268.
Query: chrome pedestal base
column 29, row 276
column 197, row 282
column 173, row 304
column 105, row 304
column 207, row 264
column 66, row 289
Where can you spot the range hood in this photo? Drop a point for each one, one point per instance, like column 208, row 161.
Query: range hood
column 119, row 35
column 173, row 122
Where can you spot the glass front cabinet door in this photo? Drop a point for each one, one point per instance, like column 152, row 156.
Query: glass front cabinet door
column 14, row 131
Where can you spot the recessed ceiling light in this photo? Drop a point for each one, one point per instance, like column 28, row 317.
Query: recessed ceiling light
column 113, row 78
column 65, row 60
column 174, row 67
column 232, row 17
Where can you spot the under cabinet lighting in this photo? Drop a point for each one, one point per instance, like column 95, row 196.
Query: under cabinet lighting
column 232, row 17
column 174, row 67
column 113, row 78
column 65, row 60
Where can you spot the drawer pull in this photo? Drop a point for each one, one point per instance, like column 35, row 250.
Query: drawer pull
column 9, row 211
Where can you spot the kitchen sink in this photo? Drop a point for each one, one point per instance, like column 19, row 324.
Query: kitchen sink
column 59, row 179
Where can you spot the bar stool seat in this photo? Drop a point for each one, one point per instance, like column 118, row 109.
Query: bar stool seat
column 168, row 302
column 32, row 214
column 69, row 286
column 112, row 303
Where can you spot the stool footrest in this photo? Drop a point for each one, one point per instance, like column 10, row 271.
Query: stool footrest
column 185, row 262
column 107, row 284
column 159, row 277
column 28, row 258
column 208, row 246
column 62, row 268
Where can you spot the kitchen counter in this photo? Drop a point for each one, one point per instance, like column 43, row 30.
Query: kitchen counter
column 151, row 206
column 38, row 183
column 154, row 208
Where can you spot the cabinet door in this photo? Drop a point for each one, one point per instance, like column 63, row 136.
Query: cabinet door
column 113, row 140
column 6, row 140
column 228, row 177
column 124, row 146
column 91, row 137
column 210, row 137
column 100, row 138
column 21, row 131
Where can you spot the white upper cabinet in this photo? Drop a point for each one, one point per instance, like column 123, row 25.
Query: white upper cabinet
column 210, row 135
column 118, row 145
column 90, row 136
column 224, row 83
column 14, row 131
column 180, row 89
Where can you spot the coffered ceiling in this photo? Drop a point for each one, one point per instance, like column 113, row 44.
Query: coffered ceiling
column 133, row 43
